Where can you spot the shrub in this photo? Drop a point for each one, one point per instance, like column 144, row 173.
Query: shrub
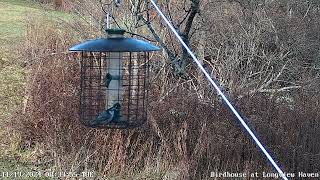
column 189, row 132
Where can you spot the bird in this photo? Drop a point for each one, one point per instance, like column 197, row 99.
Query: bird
column 108, row 79
column 117, row 3
column 109, row 115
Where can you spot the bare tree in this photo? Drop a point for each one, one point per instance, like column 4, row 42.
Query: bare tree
column 237, row 41
column 182, row 21
column 142, row 16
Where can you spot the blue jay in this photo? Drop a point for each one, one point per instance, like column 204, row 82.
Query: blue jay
column 110, row 115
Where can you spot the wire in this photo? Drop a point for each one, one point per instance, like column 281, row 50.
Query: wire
column 225, row 99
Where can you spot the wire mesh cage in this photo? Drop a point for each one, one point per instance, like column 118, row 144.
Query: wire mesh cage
column 114, row 81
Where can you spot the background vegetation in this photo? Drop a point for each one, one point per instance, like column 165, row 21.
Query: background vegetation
column 264, row 53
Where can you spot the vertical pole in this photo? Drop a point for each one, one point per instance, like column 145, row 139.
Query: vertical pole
column 115, row 73
column 99, row 94
column 108, row 20
column 129, row 87
column 82, row 79
column 90, row 88
column 107, row 71
column 138, row 84
column 144, row 89
column 148, row 83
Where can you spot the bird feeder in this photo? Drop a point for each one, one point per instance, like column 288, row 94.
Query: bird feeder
column 114, row 80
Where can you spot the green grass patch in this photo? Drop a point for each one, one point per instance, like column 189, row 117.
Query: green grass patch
column 14, row 14
column 12, row 75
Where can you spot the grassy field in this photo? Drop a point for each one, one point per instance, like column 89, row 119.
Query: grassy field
column 11, row 20
column 13, row 14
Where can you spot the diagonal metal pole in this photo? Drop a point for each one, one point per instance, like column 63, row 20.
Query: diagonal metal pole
column 220, row 93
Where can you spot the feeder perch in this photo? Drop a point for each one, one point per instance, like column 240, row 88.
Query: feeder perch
column 114, row 80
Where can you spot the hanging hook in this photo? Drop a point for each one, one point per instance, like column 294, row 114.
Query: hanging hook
column 107, row 8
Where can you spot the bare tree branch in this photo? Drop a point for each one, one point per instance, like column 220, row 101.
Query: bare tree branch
column 171, row 55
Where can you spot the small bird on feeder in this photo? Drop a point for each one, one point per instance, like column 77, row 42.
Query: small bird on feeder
column 108, row 79
column 110, row 115
column 117, row 3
